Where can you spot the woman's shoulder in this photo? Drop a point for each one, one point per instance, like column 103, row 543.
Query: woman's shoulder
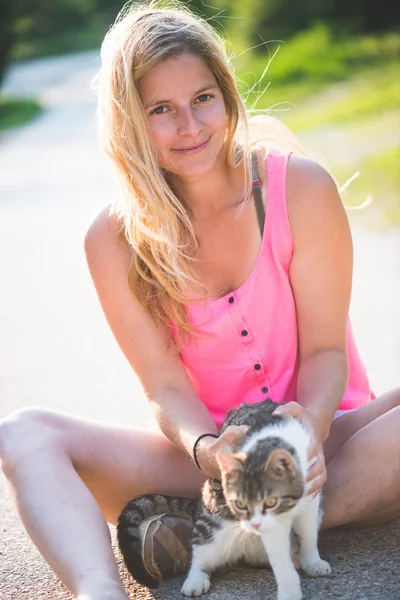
column 311, row 192
column 105, row 229
column 303, row 172
column 105, row 245
column 306, row 174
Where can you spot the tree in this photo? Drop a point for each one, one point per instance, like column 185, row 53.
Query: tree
column 6, row 38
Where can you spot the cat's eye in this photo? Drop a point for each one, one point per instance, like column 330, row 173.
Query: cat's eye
column 270, row 502
column 240, row 504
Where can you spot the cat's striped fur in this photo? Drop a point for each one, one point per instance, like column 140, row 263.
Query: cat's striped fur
column 268, row 465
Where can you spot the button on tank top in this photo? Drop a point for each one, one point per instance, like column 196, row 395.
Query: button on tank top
column 250, row 351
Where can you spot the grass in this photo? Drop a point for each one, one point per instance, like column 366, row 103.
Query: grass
column 318, row 55
column 363, row 96
column 318, row 79
column 15, row 112
column 309, row 62
column 379, row 179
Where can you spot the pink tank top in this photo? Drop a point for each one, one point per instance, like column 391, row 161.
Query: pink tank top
column 250, row 351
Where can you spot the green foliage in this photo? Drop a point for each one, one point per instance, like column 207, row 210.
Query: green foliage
column 311, row 60
column 38, row 18
column 373, row 93
column 280, row 19
column 36, row 24
column 6, row 36
column 15, row 112
column 111, row 7
column 363, row 15
column 319, row 55
column 72, row 40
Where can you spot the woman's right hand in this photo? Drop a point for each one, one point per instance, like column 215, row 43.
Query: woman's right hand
column 208, row 448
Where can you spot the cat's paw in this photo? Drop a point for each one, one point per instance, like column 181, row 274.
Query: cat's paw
column 196, row 584
column 290, row 589
column 317, row 568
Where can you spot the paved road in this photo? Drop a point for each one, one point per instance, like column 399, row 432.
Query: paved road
column 56, row 350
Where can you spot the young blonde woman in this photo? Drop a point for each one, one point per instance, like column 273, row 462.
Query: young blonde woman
column 214, row 298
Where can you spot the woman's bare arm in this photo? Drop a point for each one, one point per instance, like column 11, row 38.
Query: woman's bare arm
column 179, row 412
column 320, row 275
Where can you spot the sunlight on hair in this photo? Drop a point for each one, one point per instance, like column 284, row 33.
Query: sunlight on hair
column 155, row 222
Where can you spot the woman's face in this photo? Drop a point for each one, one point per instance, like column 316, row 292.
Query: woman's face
column 186, row 115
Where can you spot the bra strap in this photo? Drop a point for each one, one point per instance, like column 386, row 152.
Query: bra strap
column 257, row 193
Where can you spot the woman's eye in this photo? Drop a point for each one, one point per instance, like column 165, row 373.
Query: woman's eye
column 240, row 504
column 159, row 110
column 270, row 502
column 204, row 97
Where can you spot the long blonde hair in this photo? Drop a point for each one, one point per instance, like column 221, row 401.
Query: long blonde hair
column 154, row 220
column 156, row 223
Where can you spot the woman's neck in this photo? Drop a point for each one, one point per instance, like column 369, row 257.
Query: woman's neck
column 220, row 189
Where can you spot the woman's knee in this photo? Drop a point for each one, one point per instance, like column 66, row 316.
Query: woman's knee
column 26, row 431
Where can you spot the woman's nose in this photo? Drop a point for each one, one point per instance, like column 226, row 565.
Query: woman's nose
column 189, row 123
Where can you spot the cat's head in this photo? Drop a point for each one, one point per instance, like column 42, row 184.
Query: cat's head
column 258, row 486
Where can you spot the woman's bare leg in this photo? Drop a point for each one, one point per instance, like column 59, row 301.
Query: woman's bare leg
column 363, row 465
column 69, row 476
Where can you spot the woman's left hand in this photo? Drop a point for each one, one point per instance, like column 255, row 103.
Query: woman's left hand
column 316, row 476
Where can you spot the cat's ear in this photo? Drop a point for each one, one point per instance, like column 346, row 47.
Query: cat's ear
column 231, row 465
column 280, row 464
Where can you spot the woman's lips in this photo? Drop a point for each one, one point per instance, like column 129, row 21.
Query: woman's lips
column 192, row 149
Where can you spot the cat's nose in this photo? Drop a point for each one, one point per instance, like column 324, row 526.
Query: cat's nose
column 255, row 525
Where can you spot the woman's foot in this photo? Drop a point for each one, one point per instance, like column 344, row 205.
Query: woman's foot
column 166, row 545
column 103, row 590
column 103, row 596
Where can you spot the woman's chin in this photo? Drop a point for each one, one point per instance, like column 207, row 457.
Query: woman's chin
column 190, row 171
column 188, row 166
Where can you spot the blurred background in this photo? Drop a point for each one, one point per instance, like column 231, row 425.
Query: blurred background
column 334, row 78
column 328, row 69
column 335, row 74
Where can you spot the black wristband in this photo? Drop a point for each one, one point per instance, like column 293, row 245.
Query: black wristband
column 214, row 435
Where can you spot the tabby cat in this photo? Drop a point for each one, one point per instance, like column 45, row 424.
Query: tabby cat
column 252, row 515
